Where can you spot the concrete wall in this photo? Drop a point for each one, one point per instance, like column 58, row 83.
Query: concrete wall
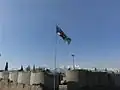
column 89, row 78
column 92, row 79
column 24, row 77
column 72, row 75
column 62, row 87
column 97, row 79
column 73, row 79
column 117, row 80
column 54, row 80
column 5, row 86
column 111, row 79
column 83, row 78
column 4, row 75
column 13, row 76
column 37, row 78
column 1, row 75
column 103, row 79
column 44, row 78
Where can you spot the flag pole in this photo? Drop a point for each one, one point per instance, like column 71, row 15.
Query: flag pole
column 55, row 57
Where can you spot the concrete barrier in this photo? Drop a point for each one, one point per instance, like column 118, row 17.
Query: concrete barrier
column 4, row 75
column 117, row 80
column 37, row 78
column 13, row 76
column 73, row 79
column 24, row 77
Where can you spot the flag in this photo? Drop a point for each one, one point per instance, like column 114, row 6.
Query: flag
column 63, row 35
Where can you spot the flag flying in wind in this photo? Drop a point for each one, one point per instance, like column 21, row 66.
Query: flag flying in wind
column 63, row 35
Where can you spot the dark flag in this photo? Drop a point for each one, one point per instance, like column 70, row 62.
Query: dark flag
column 63, row 35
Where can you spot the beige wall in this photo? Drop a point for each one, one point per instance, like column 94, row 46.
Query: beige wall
column 87, row 78
column 24, row 78
column 75, row 80
column 5, row 86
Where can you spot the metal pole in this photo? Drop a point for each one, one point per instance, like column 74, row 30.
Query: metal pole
column 73, row 61
column 55, row 62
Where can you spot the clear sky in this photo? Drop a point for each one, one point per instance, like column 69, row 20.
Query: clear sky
column 27, row 32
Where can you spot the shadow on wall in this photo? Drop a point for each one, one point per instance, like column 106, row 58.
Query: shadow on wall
column 71, row 85
column 44, row 87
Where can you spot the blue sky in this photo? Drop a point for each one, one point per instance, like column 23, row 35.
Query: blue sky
column 27, row 32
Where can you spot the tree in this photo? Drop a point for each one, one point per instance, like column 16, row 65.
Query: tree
column 105, row 69
column 69, row 68
column 39, row 69
column 28, row 68
column 34, row 69
column 6, row 66
column 21, row 69
column 95, row 69
column 47, row 70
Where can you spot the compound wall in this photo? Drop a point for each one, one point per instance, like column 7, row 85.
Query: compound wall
column 13, row 76
column 4, row 75
column 24, row 77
